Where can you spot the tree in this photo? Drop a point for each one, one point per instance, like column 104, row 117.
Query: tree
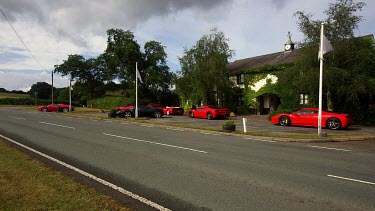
column 203, row 77
column 43, row 89
column 90, row 74
column 348, row 70
column 121, row 54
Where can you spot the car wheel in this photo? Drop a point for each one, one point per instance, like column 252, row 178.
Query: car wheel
column 44, row 110
column 157, row 114
column 333, row 123
column 168, row 112
column 65, row 109
column 191, row 115
column 284, row 121
column 127, row 114
column 209, row 115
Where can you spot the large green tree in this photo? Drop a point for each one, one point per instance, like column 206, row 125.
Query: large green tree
column 349, row 70
column 90, row 74
column 43, row 89
column 203, row 77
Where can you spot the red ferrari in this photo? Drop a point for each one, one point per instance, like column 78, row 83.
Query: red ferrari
column 308, row 117
column 208, row 112
column 123, row 108
column 168, row 110
column 55, row 107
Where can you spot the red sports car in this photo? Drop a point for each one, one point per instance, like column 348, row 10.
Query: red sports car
column 123, row 108
column 55, row 107
column 167, row 110
column 208, row 112
column 308, row 117
column 173, row 110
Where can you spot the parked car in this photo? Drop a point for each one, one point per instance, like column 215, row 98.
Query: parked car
column 55, row 107
column 173, row 111
column 308, row 117
column 143, row 111
column 208, row 112
column 168, row 110
column 125, row 107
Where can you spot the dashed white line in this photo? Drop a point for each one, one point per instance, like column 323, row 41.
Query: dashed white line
column 169, row 128
column 69, row 117
column 263, row 140
column 124, row 123
column 146, row 125
column 350, row 179
column 344, row 150
column 13, row 117
column 214, row 134
column 157, row 143
column 94, row 120
column 47, row 123
column 84, row 173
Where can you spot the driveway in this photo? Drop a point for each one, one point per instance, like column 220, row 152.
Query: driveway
column 260, row 123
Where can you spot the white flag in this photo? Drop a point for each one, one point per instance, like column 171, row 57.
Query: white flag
column 327, row 47
column 139, row 75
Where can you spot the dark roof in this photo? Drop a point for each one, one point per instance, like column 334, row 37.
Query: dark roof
column 260, row 61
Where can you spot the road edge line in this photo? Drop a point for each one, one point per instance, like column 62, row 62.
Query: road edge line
column 86, row 174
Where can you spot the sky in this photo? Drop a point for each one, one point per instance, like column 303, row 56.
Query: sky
column 54, row 29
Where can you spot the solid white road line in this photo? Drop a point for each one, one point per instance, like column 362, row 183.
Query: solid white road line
column 263, row 140
column 354, row 180
column 47, row 123
column 84, row 173
column 13, row 117
column 157, row 143
column 345, row 150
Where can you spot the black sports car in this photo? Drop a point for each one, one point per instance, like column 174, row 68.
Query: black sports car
column 143, row 111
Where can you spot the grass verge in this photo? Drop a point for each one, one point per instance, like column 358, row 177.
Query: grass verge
column 27, row 184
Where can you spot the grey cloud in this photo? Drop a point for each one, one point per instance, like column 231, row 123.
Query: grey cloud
column 279, row 4
column 70, row 18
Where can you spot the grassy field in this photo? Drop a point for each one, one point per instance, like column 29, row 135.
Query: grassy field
column 26, row 184
column 13, row 95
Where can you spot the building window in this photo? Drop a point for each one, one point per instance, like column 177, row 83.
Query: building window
column 240, row 101
column 304, row 99
column 240, row 78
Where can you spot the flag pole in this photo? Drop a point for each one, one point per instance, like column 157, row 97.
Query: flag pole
column 52, row 86
column 136, row 90
column 320, row 81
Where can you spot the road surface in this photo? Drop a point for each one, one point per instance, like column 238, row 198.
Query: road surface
column 180, row 169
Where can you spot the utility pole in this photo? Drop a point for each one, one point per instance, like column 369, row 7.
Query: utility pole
column 35, row 94
column 70, row 94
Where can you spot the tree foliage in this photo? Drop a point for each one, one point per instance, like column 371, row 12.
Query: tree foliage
column 203, row 77
column 43, row 89
column 349, row 70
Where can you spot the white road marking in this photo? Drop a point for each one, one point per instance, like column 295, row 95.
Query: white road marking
column 345, row 150
column 214, row 134
column 84, row 173
column 94, row 120
column 169, row 128
column 124, row 123
column 69, row 117
column 354, row 180
column 146, row 125
column 263, row 140
column 47, row 123
column 13, row 117
column 157, row 143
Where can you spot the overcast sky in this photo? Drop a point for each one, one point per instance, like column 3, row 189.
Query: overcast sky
column 53, row 29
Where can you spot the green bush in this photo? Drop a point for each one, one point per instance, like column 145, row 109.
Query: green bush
column 229, row 122
column 109, row 103
column 279, row 111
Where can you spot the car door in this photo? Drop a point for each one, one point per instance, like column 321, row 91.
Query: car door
column 143, row 111
column 199, row 112
column 308, row 118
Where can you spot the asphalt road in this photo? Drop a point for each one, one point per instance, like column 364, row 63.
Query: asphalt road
column 191, row 170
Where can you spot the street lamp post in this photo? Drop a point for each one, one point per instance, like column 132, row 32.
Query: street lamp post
column 70, row 94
